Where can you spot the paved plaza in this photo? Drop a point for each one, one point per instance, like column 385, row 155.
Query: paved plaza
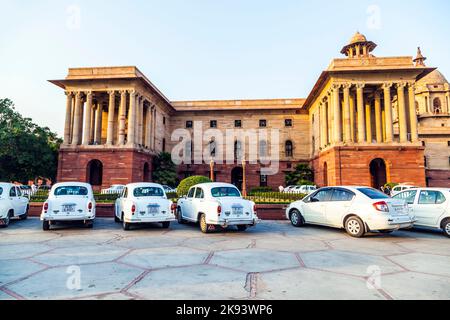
column 272, row 261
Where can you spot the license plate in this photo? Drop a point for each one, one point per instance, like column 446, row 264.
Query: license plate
column 68, row 209
column 238, row 211
column 153, row 210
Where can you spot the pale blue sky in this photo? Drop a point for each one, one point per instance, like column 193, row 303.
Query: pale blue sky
column 203, row 49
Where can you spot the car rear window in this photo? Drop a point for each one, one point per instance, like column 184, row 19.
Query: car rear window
column 373, row 193
column 1, row 191
column 71, row 191
column 224, row 192
column 148, row 192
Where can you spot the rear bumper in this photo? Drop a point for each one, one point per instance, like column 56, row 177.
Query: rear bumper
column 392, row 223
column 81, row 217
column 235, row 222
column 170, row 218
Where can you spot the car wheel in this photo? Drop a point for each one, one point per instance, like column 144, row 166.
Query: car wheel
column 116, row 219
column 180, row 217
column 386, row 231
column 242, row 228
column 89, row 224
column 126, row 225
column 355, row 227
column 45, row 225
column 446, row 227
column 297, row 218
column 203, row 225
column 166, row 225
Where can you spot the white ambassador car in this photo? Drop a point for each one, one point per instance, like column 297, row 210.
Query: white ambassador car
column 69, row 202
column 431, row 207
column 12, row 204
column 216, row 205
column 358, row 210
column 144, row 203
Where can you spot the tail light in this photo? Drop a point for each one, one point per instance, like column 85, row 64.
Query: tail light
column 381, row 206
column 219, row 210
column 174, row 207
column 133, row 209
column 90, row 206
column 46, row 206
column 254, row 208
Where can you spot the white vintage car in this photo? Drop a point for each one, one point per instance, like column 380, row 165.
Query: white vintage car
column 144, row 203
column 216, row 205
column 431, row 207
column 67, row 202
column 358, row 210
column 12, row 204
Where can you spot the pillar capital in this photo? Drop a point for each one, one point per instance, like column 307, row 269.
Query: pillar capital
column 360, row 86
column 347, row 86
column 69, row 93
column 401, row 84
column 387, row 85
column 336, row 86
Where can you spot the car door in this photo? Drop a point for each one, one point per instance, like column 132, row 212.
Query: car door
column 316, row 205
column 186, row 205
column 431, row 205
column 410, row 196
column 119, row 203
column 13, row 200
column 339, row 206
column 22, row 202
column 198, row 202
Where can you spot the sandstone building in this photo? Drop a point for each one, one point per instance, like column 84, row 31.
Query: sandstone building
column 367, row 121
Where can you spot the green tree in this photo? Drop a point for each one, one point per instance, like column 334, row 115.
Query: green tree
column 303, row 175
column 164, row 170
column 27, row 150
column 188, row 183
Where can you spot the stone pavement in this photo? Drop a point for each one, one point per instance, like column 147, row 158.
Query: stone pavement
column 272, row 261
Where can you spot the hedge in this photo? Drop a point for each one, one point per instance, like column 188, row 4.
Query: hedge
column 188, row 183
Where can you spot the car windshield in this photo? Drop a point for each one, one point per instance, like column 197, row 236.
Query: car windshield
column 224, row 192
column 373, row 193
column 148, row 192
column 71, row 191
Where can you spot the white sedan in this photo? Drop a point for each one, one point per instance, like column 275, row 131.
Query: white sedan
column 216, row 205
column 12, row 204
column 68, row 202
column 431, row 206
column 358, row 210
column 144, row 203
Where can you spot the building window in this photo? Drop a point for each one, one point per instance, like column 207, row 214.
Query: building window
column 289, row 165
column 238, row 123
column 164, row 145
column 262, row 123
column 263, row 181
column 263, row 152
column 164, row 120
column 212, row 148
column 189, row 124
column 213, row 123
column 448, row 142
column 288, row 122
column 238, row 150
column 426, row 162
column 289, row 149
column 424, row 144
column 437, row 106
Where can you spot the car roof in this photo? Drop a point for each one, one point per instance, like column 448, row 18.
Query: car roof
column 72, row 184
column 431, row 189
column 5, row 184
column 144, row 184
column 211, row 185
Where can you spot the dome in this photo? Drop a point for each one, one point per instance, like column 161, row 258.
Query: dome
column 435, row 77
column 358, row 37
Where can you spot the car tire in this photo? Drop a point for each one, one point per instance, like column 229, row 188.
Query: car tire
column 25, row 215
column 46, row 225
column 116, row 219
column 446, row 227
column 242, row 228
column 204, row 227
column 355, row 227
column 89, row 225
column 296, row 218
column 180, row 217
column 166, row 225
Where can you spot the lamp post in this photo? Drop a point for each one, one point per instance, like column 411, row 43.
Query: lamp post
column 211, row 175
column 244, row 179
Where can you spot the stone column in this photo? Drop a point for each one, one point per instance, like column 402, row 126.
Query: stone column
column 369, row 136
column 154, row 128
column 388, row 112
column 68, row 122
column 413, row 113
column 378, row 117
column 111, row 115
column 92, row 125
column 98, row 124
column 352, row 116
column 87, row 119
column 131, row 140
column 122, row 117
column 330, row 119
column 347, row 115
column 361, row 116
column 77, row 119
column 337, row 123
column 323, row 128
column 402, row 112
column 141, row 120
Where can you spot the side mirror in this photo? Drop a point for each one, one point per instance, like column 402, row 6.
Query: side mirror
column 314, row 200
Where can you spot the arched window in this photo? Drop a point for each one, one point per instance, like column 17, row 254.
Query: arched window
column 289, row 149
column 147, row 172
column 212, row 148
column 95, row 173
column 263, row 152
column 417, row 108
column 238, row 150
column 437, row 106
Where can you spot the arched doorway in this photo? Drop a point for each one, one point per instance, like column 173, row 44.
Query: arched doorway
column 325, row 175
column 147, row 177
column 237, row 177
column 378, row 173
column 95, row 173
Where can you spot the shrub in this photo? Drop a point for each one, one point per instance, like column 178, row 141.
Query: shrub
column 261, row 189
column 187, row 183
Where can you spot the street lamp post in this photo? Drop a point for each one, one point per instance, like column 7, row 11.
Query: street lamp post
column 211, row 175
column 244, row 179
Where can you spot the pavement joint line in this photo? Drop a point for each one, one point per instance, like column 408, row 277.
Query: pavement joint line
column 135, row 281
column 386, row 295
column 123, row 255
column 300, row 260
column 24, row 278
column 100, row 296
column 131, row 265
column 338, row 273
column 251, row 284
column 12, row 294
column 209, row 258
column 38, row 262
column 388, row 258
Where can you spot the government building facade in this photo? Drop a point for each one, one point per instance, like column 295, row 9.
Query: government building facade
column 368, row 121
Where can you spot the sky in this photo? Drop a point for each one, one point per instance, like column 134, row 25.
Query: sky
column 203, row 49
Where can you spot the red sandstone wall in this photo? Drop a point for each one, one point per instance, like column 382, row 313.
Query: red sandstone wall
column 438, row 178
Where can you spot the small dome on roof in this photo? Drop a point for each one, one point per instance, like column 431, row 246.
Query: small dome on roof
column 435, row 77
column 358, row 37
